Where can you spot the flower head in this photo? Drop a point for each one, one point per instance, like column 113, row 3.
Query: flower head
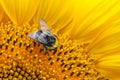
column 88, row 37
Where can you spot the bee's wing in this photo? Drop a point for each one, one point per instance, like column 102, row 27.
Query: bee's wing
column 37, row 37
column 32, row 36
column 44, row 25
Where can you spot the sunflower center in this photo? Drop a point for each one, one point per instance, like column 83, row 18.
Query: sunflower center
column 23, row 58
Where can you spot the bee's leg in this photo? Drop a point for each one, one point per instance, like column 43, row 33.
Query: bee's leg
column 46, row 50
column 56, row 48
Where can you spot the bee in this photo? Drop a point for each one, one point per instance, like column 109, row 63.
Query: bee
column 45, row 36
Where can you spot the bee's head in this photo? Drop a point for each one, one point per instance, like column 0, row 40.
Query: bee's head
column 51, row 40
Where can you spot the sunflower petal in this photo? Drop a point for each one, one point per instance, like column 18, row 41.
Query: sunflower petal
column 60, row 14
column 105, row 48
column 1, row 12
column 20, row 11
column 91, row 19
column 109, row 65
column 108, row 40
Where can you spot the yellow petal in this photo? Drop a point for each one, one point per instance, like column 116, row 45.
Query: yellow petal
column 109, row 65
column 58, row 14
column 101, row 27
column 107, row 41
column 106, row 50
column 1, row 12
column 92, row 17
column 20, row 11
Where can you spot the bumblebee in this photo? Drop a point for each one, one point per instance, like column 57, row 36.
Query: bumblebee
column 45, row 36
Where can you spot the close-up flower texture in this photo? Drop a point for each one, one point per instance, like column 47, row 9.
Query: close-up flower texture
column 87, row 31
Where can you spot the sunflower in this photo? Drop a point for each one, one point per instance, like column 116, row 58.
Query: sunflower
column 88, row 34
